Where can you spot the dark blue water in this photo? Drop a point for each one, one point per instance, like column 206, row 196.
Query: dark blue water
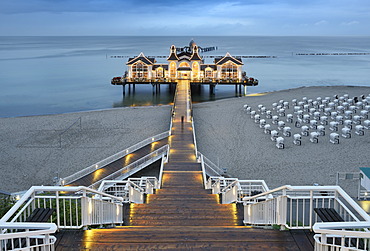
column 47, row 75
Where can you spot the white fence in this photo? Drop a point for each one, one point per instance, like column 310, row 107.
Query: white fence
column 74, row 207
column 210, row 168
column 27, row 236
column 131, row 190
column 292, row 207
column 136, row 166
column 234, row 190
column 342, row 236
column 111, row 159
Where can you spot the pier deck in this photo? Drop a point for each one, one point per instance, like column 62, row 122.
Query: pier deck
column 182, row 215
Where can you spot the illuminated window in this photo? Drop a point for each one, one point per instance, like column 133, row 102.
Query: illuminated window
column 139, row 70
column 195, row 70
column 209, row 73
column 184, row 64
column 173, row 70
column 229, row 71
column 159, row 72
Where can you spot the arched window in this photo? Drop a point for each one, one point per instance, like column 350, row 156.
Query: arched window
column 229, row 71
column 184, row 64
column 139, row 70
column 208, row 73
column 159, row 72
column 173, row 70
column 195, row 70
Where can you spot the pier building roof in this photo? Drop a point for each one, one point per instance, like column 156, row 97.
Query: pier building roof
column 142, row 58
column 228, row 57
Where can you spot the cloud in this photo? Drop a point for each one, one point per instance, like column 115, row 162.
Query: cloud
column 322, row 22
column 163, row 17
column 350, row 23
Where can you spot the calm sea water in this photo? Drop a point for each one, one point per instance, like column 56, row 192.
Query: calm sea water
column 47, row 75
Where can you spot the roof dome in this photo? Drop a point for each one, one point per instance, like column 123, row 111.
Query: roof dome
column 192, row 43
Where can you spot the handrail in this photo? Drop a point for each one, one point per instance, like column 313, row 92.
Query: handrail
column 194, row 139
column 159, row 152
column 337, row 189
column 110, row 159
column 39, row 228
column 209, row 164
column 235, row 182
column 337, row 228
column 35, row 189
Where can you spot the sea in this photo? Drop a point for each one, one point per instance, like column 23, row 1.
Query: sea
column 50, row 75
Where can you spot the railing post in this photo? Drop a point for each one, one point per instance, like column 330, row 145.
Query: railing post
column 311, row 208
column 84, row 209
column 58, row 209
column 282, row 208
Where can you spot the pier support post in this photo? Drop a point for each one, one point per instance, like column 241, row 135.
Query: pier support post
column 129, row 88
column 212, row 89
column 236, row 89
column 153, row 90
column 245, row 90
column 240, row 89
column 123, row 89
column 133, row 88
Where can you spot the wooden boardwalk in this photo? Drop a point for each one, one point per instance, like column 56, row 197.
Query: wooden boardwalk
column 182, row 215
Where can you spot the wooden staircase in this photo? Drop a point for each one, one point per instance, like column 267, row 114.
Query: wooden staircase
column 182, row 215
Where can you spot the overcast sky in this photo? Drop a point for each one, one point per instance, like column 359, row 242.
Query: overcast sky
column 189, row 18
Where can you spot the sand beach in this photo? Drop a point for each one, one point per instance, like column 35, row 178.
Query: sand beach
column 31, row 155
column 227, row 135
column 30, row 150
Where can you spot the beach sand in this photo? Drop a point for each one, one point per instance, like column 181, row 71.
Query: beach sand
column 30, row 153
column 30, row 150
column 227, row 135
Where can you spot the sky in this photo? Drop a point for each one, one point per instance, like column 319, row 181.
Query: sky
column 186, row 18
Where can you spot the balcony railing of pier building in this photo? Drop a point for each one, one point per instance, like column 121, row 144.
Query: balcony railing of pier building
column 111, row 159
column 292, row 207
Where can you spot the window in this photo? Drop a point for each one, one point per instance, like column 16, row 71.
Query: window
column 229, row 71
column 139, row 70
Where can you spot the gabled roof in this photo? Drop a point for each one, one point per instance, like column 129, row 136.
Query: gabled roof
column 195, row 55
column 141, row 57
column 184, row 54
column 173, row 55
column 204, row 66
column 226, row 58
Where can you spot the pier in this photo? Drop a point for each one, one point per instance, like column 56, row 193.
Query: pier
column 183, row 215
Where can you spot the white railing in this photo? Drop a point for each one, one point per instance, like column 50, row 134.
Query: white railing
column 131, row 190
column 134, row 167
column 75, row 207
column 111, row 159
column 27, row 236
column 210, row 168
column 292, row 207
column 194, row 138
column 234, row 190
column 342, row 236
